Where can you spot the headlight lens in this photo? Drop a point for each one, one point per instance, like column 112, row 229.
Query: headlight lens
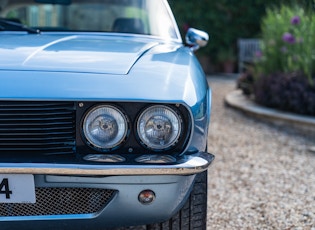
column 105, row 127
column 159, row 127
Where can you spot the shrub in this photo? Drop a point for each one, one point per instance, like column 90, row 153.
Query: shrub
column 285, row 67
column 288, row 43
column 289, row 92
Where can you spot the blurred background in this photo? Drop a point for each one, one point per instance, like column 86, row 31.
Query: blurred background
column 226, row 21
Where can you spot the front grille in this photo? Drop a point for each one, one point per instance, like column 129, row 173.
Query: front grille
column 40, row 128
column 61, row 201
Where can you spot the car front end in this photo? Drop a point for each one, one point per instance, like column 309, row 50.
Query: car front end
column 98, row 130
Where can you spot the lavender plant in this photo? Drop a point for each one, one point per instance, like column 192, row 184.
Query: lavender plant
column 288, row 42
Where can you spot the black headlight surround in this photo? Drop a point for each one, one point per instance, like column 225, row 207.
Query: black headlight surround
column 131, row 145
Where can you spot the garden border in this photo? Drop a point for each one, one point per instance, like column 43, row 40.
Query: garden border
column 236, row 99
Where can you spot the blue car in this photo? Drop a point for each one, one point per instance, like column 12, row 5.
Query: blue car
column 104, row 116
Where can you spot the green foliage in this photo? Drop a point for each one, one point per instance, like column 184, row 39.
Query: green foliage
column 285, row 67
column 288, row 41
column 226, row 20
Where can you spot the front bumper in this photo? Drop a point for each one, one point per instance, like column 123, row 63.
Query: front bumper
column 124, row 209
column 191, row 164
column 170, row 183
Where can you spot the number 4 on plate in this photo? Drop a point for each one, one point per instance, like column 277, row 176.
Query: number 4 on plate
column 4, row 188
column 17, row 188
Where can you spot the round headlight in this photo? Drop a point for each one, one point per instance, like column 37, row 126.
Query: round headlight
column 105, row 127
column 159, row 127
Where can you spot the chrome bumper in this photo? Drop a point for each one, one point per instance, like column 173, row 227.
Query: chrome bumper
column 191, row 164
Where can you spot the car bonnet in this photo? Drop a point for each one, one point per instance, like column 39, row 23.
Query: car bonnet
column 78, row 53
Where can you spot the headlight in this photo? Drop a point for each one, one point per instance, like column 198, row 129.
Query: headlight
column 159, row 127
column 105, row 127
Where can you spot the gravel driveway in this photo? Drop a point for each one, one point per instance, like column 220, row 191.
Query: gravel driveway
column 263, row 176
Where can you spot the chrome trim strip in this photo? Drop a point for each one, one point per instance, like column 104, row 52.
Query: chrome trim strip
column 193, row 164
column 48, row 217
column 179, row 38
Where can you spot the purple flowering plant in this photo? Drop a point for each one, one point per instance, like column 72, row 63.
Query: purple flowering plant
column 283, row 76
column 289, row 38
column 295, row 20
column 288, row 43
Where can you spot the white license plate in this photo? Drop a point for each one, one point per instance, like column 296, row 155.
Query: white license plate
column 17, row 188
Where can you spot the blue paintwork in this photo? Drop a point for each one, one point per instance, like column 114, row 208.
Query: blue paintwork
column 89, row 68
column 108, row 68
column 52, row 70
column 94, row 54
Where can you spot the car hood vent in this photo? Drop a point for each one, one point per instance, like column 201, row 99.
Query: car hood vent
column 36, row 128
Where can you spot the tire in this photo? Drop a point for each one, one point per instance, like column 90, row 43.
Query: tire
column 193, row 215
